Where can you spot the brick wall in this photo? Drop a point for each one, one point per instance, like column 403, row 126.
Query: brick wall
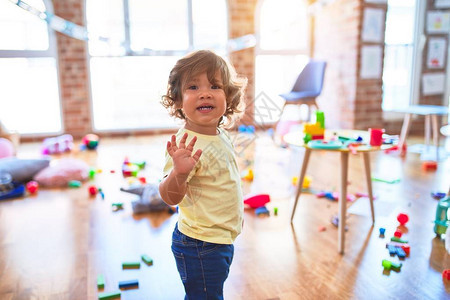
column 73, row 72
column 336, row 37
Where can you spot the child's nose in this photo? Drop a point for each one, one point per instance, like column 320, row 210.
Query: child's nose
column 205, row 94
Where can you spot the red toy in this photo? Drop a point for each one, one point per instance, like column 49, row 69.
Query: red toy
column 429, row 166
column 93, row 190
column 398, row 233
column 255, row 201
column 446, row 274
column 32, row 187
column 402, row 218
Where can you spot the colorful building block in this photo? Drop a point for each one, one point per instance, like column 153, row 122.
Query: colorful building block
column 131, row 265
column 100, row 281
column 109, row 295
column 147, row 259
column 128, row 283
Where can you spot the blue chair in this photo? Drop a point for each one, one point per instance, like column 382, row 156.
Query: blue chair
column 308, row 85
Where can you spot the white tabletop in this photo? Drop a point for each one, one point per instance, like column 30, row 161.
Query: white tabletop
column 424, row 110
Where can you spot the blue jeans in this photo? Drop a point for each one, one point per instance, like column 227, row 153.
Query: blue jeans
column 203, row 266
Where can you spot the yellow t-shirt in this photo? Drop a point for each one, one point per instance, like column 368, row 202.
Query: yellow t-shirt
column 212, row 209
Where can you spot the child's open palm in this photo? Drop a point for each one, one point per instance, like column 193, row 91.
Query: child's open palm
column 183, row 160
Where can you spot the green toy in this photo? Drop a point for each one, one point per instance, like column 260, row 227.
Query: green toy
column 442, row 216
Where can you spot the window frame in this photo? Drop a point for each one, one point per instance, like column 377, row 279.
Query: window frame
column 145, row 53
column 51, row 52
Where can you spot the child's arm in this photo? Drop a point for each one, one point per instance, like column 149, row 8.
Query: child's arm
column 173, row 187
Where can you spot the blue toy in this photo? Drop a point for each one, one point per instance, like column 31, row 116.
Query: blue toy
column 321, row 144
column 246, row 129
column 261, row 211
column 128, row 283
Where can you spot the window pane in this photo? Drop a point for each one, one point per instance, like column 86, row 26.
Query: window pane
column 210, row 29
column 29, row 97
column 283, row 25
column 398, row 54
column 287, row 68
column 158, row 25
column 127, row 91
column 105, row 19
column 20, row 30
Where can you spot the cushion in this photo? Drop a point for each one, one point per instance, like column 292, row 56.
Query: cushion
column 60, row 172
column 22, row 170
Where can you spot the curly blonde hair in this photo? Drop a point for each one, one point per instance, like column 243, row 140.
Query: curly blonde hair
column 192, row 65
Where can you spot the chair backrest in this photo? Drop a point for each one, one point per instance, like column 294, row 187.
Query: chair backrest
column 311, row 77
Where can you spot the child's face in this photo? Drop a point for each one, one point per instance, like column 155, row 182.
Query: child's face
column 203, row 103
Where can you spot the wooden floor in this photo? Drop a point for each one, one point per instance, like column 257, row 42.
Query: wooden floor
column 53, row 245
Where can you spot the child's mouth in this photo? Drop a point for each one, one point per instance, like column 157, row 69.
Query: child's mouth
column 205, row 108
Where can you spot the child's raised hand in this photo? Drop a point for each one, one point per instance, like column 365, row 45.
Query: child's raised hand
column 183, row 160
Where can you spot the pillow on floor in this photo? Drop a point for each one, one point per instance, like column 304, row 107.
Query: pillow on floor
column 22, row 170
column 60, row 172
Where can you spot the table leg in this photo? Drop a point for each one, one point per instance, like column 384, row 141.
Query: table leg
column 366, row 156
column 427, row 132
column 300, row 180
column 404, row 132
column 434, row 123
column 343, row 202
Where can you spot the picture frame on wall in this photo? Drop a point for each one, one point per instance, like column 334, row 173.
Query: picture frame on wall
column 437, row 48
column 438, row 22
column 442, row 3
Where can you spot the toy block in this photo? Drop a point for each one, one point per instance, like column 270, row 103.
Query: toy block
column 446, row 274
column 400, row 252
column 256, row 201
column 382, row 231
column 128, row 283
column 275, row 211
column 389, row 265
column 131, row 265
column 262, row 211
column 100, row 281
column 429, row 166
column 392, row 250
column 147, row 259
column 74, row 183
column 402, row 218
column 398, row 234
column 109, row 295
column 398, row 240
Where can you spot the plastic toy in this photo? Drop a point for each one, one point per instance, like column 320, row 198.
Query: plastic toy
column 128, row 283
column 147, row 259
column 74, row 183
column 438, row 195
column 382, row 230
column 109, row 295
column 32, row 187
column 149, row 199
column 400, row 252
column 306, row 181
column 117, row 206
column 256, row 201
column 275, row 211
column 56, row 145
column 100, row 191
column 90, row 141
column 17, row 190
column 429, row 166
column 398, row 240
column 315, row 131
column 92, row 173
column 398, row 234
column 100, row 281
column 376, row 136
column 262, row 211
column 92, row 190
column 446, row 274
column 131, row 168
column 389, row 265
column 131, row 265
column 247, row 175
column 321, row 144
column 402, row 218
column 6, row 148
column 442, row 221
column 246, row 129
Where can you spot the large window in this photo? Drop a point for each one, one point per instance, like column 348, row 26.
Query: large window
column 29, row 94
column 399, row 54
column 133, row 46
column 282, row 51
